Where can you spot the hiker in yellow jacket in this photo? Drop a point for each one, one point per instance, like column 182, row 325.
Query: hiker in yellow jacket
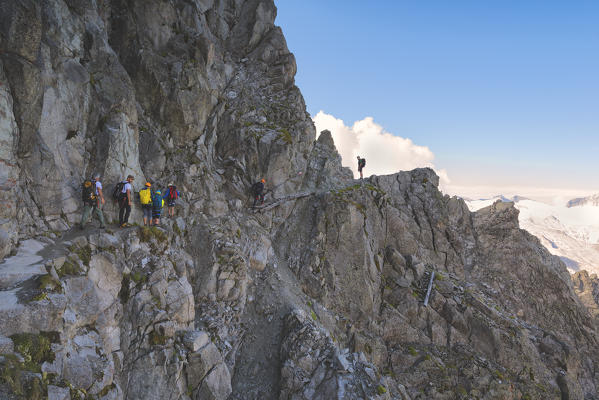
column 145, row 197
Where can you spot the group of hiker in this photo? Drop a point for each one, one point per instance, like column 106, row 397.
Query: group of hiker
column 152, row 201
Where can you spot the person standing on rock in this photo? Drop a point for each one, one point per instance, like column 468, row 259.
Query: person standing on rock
column 93, row 200
column 171, row 196
column 258, row 192
column 145, row 198
column 157, row 205
column 125, row 202
column 361, row 165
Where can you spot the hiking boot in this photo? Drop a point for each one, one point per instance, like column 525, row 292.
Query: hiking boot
column 124, row 225
column 103, row 227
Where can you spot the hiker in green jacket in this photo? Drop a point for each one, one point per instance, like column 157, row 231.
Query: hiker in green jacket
column 93, row 200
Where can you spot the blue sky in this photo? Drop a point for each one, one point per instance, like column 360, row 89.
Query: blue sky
column 502, row 92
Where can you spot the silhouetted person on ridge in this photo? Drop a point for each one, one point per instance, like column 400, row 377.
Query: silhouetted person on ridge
column 361, row 164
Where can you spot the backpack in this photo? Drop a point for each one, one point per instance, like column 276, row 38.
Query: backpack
column 145, row 196
column 172, row 193
column 362, row 163
column 257, row 188
column 157, row 201
column 117, row 193
column 88, row 192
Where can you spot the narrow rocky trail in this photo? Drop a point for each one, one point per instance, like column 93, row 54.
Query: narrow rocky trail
column 276, row 202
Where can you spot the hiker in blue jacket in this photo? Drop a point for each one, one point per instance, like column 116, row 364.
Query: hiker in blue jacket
column 157, row 205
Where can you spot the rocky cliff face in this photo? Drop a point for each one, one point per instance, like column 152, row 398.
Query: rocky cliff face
column 317, row 295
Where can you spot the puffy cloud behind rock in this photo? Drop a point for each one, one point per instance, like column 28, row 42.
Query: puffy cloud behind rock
column 385, row 153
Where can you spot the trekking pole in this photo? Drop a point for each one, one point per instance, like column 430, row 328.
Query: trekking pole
column 430, row 286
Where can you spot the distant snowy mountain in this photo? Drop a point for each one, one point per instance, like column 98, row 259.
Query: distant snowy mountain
column 570, row 231
column 584, row 201
column 481, row 203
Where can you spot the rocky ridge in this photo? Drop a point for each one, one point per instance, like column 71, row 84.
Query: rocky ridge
column 317, row 295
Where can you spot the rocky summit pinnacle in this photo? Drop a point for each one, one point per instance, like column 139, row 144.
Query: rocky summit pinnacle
column 316, row 294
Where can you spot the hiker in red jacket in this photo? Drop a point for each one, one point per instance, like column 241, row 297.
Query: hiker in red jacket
column 171, row 195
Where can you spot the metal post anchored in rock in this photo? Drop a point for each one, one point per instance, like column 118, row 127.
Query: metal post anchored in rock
column 430, row 286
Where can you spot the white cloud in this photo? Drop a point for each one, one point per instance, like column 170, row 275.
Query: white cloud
column 384, row 153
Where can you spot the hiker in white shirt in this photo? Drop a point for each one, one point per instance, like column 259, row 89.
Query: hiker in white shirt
column 125, row 202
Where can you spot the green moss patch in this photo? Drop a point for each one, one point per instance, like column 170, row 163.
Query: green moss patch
column 341, row 195
column 110, row 249
column 156, row 339
column 146, row 234
column 22, row 383
column 70, row 267
column 375, row 189
column 412, row 351
column 35, row 348
column 136, row 277
column 176, row 229
column 48, row 283
column 348, row 189
column 40, row 297
column 285, row 136
column 84, row 253
column 106, row 390
column 499, row 375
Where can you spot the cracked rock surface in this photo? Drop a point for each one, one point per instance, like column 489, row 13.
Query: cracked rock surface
column 317, row 294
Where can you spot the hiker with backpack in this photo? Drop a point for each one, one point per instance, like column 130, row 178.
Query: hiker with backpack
column 157, row 205
column 123, row 194
column 171, row 196
column 93, row 199
column 145, row 198
column 258, row 192
column 361, row 164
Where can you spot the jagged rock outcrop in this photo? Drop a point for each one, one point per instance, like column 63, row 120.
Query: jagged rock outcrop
column 587, row 288
column 147, row 88
column 318, row 294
